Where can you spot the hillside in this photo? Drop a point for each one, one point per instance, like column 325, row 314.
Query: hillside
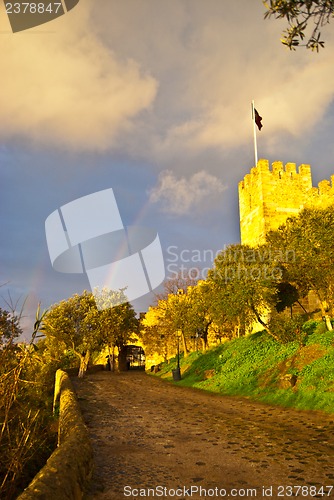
column 256, row 366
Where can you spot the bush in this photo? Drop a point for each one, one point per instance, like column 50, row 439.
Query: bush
column 320, row 328
column 310, row 326
column 27, row 433
column 288, row 329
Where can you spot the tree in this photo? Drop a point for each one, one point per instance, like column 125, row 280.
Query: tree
column 156, row 334
column 287, row 296
column 173, row 285
column 9, row 326
column 307, row 255
column 74, row 323
column 244, row 281
column 117, row 322
column 117, row 326
column 299, row 14
column 171, row 316
column 168, row 316
column 177, row 314
column 198, row 314
column 166, row 319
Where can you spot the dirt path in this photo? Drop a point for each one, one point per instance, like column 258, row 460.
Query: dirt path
column 147, row 433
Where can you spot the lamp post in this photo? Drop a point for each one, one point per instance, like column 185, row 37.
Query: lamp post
column 178, row 349
column 177, row 371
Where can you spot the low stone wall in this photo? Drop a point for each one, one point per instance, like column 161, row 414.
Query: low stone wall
column 69, row 468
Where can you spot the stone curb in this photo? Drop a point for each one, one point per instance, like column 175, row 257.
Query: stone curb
column 69, row 468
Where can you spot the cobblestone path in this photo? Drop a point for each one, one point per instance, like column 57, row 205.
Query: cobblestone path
column 153, row 439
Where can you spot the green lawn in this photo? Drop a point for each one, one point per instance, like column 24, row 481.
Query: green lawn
column 259, row 367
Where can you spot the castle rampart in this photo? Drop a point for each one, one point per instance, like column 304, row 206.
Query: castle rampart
column 267, row 197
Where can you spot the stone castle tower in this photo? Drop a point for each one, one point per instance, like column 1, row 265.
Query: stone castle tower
column 268, row 197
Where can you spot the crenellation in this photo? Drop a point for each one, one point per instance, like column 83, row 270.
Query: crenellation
column 305, row 169
column 306, row 176
column 247, row 181
column 277, row 167
column 268, row 197
column 290, row 168
column 324, row 187
column 262, row 165
column 286, row 175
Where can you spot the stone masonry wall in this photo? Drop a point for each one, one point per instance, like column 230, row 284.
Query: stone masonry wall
column 69, row 468
column 268, row 197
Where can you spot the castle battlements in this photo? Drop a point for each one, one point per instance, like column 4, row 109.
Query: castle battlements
column 268, row 196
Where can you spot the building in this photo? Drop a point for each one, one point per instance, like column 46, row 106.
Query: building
column 267, row 197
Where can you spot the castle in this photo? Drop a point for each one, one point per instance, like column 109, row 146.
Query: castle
column 268, row 197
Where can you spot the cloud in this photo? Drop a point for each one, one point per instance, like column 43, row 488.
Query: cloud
column 160, row 80
column 211, row 59
column 65, row 88
column 291, row 94
column 183, row 196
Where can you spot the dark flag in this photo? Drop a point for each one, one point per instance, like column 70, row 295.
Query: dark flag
column 258, row 120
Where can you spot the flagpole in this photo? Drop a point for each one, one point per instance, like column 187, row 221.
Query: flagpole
column 254, row 132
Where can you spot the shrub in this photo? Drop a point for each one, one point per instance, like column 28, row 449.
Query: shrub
column 288, row 329
column 26, row 394
column 26, row 435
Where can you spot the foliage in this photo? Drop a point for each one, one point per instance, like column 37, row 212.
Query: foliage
column 73, row 329
column 200, row 312
column 74, row 325
column 9, row 326
column 308, row 238
column 287, row 295
column 300, row 14
column 185, row 311
column 117, row 326
column 161, row 324
column 244, row 282
column 288, row 329
column 318, row 376
column 310, row 326
column 321, row 336
column 26, row 437
column 155, row 334
column 172, row 286
column 252, row 285
column 106, row 298
column 77, row 327
column 255, row 366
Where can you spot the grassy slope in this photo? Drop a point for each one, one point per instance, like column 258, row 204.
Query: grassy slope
column 256, row 366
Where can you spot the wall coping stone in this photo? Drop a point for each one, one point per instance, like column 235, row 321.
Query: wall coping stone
column 69, row 468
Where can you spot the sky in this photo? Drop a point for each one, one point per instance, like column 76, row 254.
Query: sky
column 151, row 98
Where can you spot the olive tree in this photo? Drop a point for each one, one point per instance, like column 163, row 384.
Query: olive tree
column 305, row 20
column 74, row 323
